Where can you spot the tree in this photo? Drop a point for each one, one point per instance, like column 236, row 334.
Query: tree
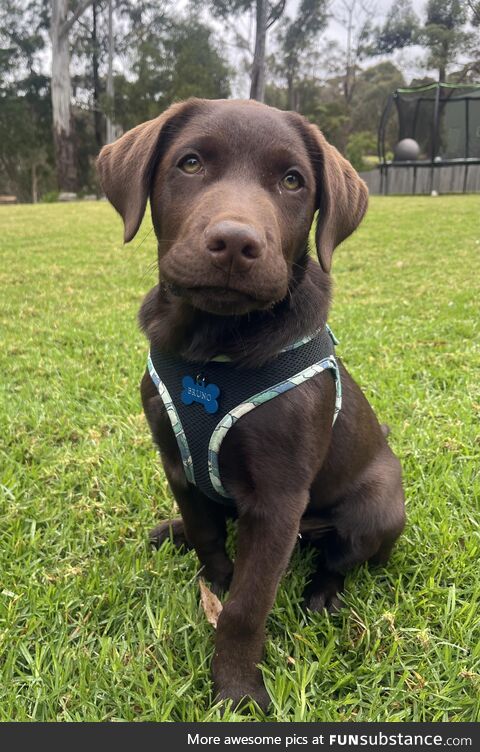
column 88, row 48
column 95, row 77
column 62, row 92
column 374, row 85
column 110, row 87
column 195, row 66
column 444, row 34
column 474, row 13
column 401, row 29
column 356, row 17
column 295, row 38
column 266, row 14
column 25, row 135
column 169, row 61
column 372, row 89
column 257, row 87
column 25, row 111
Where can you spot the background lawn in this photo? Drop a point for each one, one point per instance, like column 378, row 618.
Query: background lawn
column 93, row 625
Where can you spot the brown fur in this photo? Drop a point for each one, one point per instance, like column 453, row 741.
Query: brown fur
column 236, row 279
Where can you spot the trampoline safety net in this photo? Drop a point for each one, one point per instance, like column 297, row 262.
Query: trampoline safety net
column 444, row 119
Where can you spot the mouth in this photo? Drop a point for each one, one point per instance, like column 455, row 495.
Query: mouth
column 219, row 300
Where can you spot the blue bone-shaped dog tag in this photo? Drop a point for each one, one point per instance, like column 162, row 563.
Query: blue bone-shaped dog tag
column 198, row 392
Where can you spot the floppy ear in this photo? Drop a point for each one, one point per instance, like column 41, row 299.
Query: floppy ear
column 342, row 197
column 126, row 166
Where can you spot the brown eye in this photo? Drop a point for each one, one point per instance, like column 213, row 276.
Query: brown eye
column 292, row 181
column 190, row 164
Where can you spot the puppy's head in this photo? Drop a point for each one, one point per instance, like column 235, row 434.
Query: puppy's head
column 233, row 187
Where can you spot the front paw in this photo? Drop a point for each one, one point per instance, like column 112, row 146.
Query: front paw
column 318, row 602
column 172, row 530
column 236, row 676
column 219, row 579
column 242, row 692
column 324, row 593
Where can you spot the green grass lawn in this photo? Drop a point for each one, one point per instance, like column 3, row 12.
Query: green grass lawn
column 93, row 625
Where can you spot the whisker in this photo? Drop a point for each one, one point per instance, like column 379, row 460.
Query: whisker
column 144, row 239
column 151, row 269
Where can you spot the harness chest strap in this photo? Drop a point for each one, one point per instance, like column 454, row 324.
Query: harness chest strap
column 203, row 401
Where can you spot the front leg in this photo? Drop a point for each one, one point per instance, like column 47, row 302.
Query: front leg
column 173, row 530
column 203, row 521
column 204, row 525
column 264, row 546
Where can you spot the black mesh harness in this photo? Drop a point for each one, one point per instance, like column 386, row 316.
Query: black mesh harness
column 204, row 400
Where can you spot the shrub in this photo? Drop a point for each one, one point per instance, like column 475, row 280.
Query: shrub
column 50, row 197
column 360, row 145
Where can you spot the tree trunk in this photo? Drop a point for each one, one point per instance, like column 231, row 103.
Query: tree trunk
column 257, row 88
column 349, row 67
column 444, row 57
column 97, row 115
column 290, row 92
column 34, row 183
column 110, row 88
column 61, row 95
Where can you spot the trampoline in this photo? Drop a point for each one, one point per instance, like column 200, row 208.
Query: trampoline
column 444, row 121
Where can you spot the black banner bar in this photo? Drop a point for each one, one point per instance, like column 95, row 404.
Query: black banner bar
column 205, row 737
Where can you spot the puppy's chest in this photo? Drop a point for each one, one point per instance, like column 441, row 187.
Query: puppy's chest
column 204, row 402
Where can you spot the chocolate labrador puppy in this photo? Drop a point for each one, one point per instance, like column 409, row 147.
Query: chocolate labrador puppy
column 233, row 188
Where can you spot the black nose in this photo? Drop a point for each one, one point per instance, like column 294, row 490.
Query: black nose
column 233, row 244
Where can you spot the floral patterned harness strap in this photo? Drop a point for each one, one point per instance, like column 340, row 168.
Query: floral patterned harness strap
column 204, row 400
